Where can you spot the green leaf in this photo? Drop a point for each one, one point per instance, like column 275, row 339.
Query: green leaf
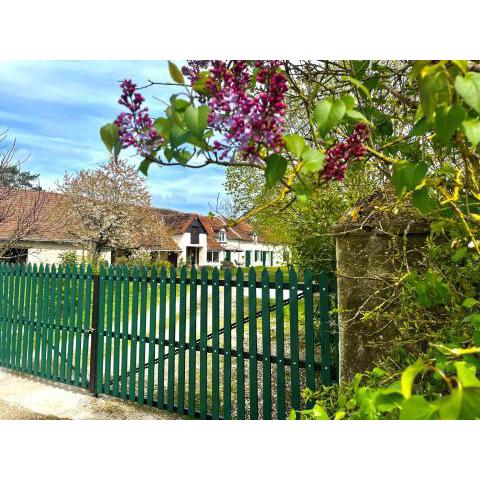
column 407, row 176
column 363, row 89
column 303, row 192
column 447, row 121
column 200, row 85
column 182, row 156
column 422, row 200
column 420, row 128
column 462, row 65
column 143, row 167
column 109, row 136
column 470, row 302
column 196, row 119
column 312, row 160
column 180, row 104
column 434, row 91
column 178, row 136
column 328, row 113
column 461, row 404
column 378, row 372
column 276, row 168
column 295, row 144
column 356, row 115
column 417, row 408
column 319, row 413
column 349, row 101
column 471, row 128
column 292, row 415
column 468, row 87
column 163, row 126
column 340, row 415
column 467, row 374
column 175, row 73
column 408, row 377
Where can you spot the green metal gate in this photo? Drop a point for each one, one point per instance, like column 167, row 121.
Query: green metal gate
column 220, row 344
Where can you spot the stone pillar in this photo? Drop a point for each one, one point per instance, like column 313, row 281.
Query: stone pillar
column 369, row 254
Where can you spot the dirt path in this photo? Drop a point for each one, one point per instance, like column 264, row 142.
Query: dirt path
column 27, row 398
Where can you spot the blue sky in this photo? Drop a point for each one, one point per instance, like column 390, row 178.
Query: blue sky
column 54, row 110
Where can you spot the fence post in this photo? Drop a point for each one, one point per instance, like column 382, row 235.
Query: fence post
column 92, row 384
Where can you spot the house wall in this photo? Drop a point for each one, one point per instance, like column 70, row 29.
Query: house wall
column 50, row 252
column 184, row 241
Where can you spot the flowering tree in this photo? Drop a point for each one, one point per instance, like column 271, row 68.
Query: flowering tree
column 109, row 207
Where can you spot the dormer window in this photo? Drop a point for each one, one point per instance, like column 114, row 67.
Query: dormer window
column 222, row 235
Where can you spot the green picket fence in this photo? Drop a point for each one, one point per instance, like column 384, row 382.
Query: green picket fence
column 220, row 345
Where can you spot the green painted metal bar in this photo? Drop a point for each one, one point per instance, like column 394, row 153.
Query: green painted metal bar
column 203, row 342
column 192, row 337
column 51, row 319
column 28, row 292
column 71, row 324
column 266, row 348
column 39, row 319
column 280, row 345
column 43, row 319
column 151, row 335
column 125, row 322
column 31, row 333
column 108, row 329
column 294, row 341
column 252, row 344
column 134, row 331
column 65, row 312
column 172, row 320
column 227, row 345
column 161, row 338
column 57, row 321
column 324, row 329
column 143, row 334
column 181, row 339
column 10, row 316
column 336, row 333
column 239, row 314
column 79, row 325
column 87, row 324
column 16, row 319
column 116, row 331
column 101, row 328
column 309, row 331
column 215, row 345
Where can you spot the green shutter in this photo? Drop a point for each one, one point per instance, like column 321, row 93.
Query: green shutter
column 248, row 258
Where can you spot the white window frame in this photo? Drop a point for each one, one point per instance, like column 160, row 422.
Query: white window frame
column 222, row 236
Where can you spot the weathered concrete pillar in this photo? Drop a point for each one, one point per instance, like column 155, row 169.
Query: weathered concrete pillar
column 372, row 249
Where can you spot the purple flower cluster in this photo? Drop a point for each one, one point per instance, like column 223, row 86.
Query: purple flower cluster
column 249, row 115
column 337, row 157
column 136, row 126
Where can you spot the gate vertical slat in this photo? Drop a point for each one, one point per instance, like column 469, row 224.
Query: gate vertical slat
column 309, row 331
column 28, row 288
column 252, row 343
column 161, row 337
column 101, row 329
column 19, row 316
column 142, row 334
column 23, row 325
column 181, row 340
column 215, row 344
column 31, row 333
column 44, row 315
column 39, row 319
column 63, row 348
column 280, row 345
column 125, row 322
column 57, row 322
column 227, row 345
column 152, row 335
column 239, row 314
column 117, row 330
column 134, row 332
column 71, row 324
column 172, row 320
column 108, row 329
column 16, row 318
column 2, row 316
column 79, row 325
column 192, row 339
column 87, row 325
column 324, row 328
column 51, row 320
column 266, row 347
column 294, row 342
column 11, row 296
column 203, row 343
